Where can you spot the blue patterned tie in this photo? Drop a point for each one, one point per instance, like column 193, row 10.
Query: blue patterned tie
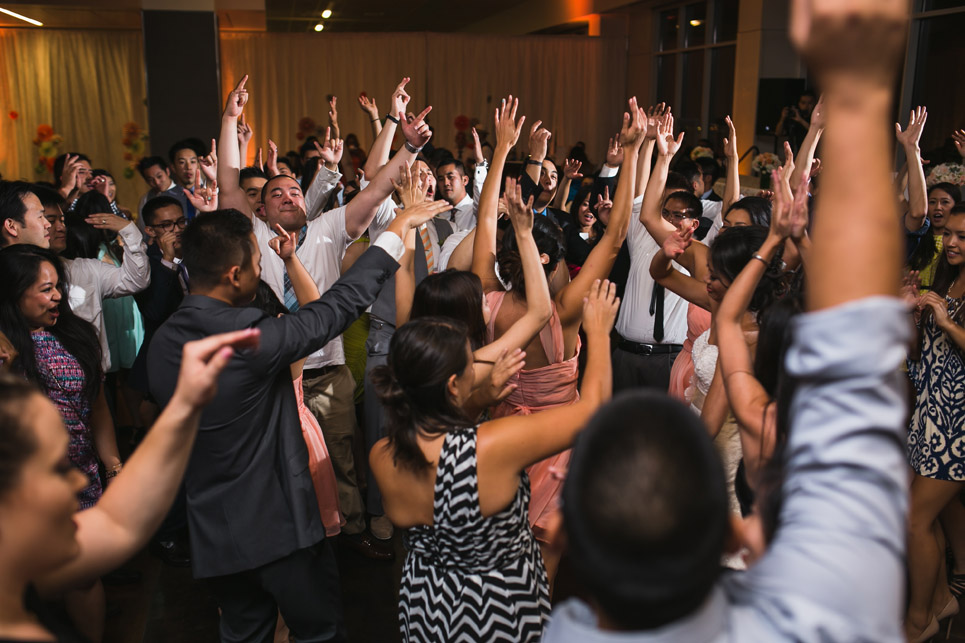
column 291, row 301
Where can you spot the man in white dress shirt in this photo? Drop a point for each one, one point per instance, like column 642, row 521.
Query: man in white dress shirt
column 452, row 181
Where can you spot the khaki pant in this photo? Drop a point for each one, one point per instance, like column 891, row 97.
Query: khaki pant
column 330, row 398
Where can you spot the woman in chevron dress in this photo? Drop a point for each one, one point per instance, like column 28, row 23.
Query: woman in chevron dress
column 473, row 571
column 936, row 439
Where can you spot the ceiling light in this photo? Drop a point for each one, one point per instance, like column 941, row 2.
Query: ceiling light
column 24, row 18
column 319, row 27
column 327, row 13
column 696, row 23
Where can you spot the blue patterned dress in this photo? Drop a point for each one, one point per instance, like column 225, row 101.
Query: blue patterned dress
column 62, row 380
column 936, row 439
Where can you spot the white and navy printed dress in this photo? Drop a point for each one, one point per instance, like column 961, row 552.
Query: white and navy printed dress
column 468, row 578
column 936, row 439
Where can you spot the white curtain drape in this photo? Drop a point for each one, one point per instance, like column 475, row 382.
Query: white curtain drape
column 575, row 85
column 85, row 85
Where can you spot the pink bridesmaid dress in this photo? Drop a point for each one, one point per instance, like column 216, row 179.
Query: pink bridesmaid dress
column 320, row 466
column 698, row 321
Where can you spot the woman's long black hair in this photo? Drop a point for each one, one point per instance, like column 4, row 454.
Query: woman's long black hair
column 454, row 293
column 20, row 267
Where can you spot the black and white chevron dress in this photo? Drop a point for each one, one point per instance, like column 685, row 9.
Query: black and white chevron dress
column 469, row 578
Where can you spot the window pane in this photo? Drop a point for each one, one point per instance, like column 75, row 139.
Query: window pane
column 721, row 92
column 691, row 99
column 666, row 79
column 669, row 29
column 725, row 22
column 941, row 51
column 695, row 24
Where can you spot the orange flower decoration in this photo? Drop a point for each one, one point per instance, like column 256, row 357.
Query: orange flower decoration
column 45, row 132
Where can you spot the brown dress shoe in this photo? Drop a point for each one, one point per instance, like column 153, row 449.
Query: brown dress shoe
column 368, row 546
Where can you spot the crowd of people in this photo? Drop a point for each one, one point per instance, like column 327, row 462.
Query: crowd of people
column 336, row 342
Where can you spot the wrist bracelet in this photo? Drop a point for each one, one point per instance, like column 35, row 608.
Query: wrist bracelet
column 412, row 148
column 392, row 118
column 112, row 472
column 374, row 119
column 761, row 259
column 533, row 162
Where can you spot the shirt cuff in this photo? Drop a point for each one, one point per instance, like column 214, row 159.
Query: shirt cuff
column 131, row 235
column 391, row 243
column 606, row 171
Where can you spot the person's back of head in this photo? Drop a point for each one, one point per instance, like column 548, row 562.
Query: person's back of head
column 691, row 172
column 212, row 243
column 83, row 240
column 49, row 197
column 676, row 182
column 453, row 293
column 645, row 511
column 549, row 241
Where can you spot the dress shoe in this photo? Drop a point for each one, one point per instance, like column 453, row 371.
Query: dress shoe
column 171, row 553
column 381, row 527
column 368, row 546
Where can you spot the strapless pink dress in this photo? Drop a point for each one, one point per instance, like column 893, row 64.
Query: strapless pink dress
column 698, row 321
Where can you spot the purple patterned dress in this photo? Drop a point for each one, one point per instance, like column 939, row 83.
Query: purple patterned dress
column 62, row 380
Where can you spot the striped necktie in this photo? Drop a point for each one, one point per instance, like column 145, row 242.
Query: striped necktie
column 291, row 301
column 427, row 246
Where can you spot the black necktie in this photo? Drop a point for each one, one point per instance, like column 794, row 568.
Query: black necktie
column 656, row 309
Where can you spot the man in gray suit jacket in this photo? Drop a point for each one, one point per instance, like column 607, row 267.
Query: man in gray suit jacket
column 255, row 528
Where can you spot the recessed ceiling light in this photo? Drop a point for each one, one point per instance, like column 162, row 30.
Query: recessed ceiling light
column 24, row 18
column 696, row 23
column 319, row 27
column 327, row 13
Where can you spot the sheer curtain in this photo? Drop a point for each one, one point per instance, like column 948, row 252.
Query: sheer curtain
column 574, row 85
column 86, row 85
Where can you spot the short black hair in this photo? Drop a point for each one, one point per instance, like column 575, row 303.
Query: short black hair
column 758, row 209
column 690, row 171
column 251, row 172
column 155, row 204
column 12, row 194
column 61, row 161
column 148, row 162
column 691, row 202
column 708, row 166
column 212, row 243
column 308, row 145
column 460, row 167
column 193, row 144
column 264, row 188
column 49, row 197
column 645, row 510
column 677, row 181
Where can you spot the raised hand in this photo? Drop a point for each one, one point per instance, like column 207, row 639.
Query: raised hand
column 244, row 132
column 666, row 144
column 520, row 213
column 284, row 244
column 99, row 183
column 368, row 106
column 604, row 205
column 912, row 134
column 507, row 365
column 680, row 239
column 507, row 129
column 272, row 159
column 538, row 141
column 258, row 162
column 938, row 305
column 416, row 215
column 958, row 137
column 614, row 152
column 399, row 100
column 799, row 210
column 911, row 289
column 784, row 187
column 203, row 360
column 600, row 307
column 571, row 169
column 333, row 112
column 237, row 99
column 168, row 242
column 204, row 199
column 108, row 221
column 409, row 188
column 68, row 176
column 654, row 116
column 634, row 128
column 817, row 114
column 477, row 147
column 416, row 133
column 209, row 163
column 730, row 141
column 331, row 151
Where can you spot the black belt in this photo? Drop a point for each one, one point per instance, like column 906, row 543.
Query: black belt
column 648, row 349
column 312, row 373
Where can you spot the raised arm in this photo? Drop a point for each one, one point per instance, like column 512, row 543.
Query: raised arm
column 662, row 270
column 134, row 273
column 306, row 290
column 370, row 109
column 650, row 215
column 538, row 142
column 805, row 155
column 510, row 444
column 137, row 500
column 569, row 301
column 229, row 163
column 484, row 241
column 917, row 192
column 379, row 154
column 571, row 172
column 411, row 192
column 538, row 303
column 732, row 185
column 362, row 209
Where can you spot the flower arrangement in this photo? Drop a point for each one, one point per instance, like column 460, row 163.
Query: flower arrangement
column 48, row 146
column 133, row 143
column 765, row 163
column 953, row 173
column 701, row 152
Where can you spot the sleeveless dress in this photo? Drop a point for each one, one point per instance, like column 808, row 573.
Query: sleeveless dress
column 319, row 465
column 936, row 439
column 727, row 442
column 698, row 321
column 468, row 578
column 537, row 390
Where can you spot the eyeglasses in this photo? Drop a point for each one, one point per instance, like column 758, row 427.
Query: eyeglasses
column 676, row 216
column 167, row 226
